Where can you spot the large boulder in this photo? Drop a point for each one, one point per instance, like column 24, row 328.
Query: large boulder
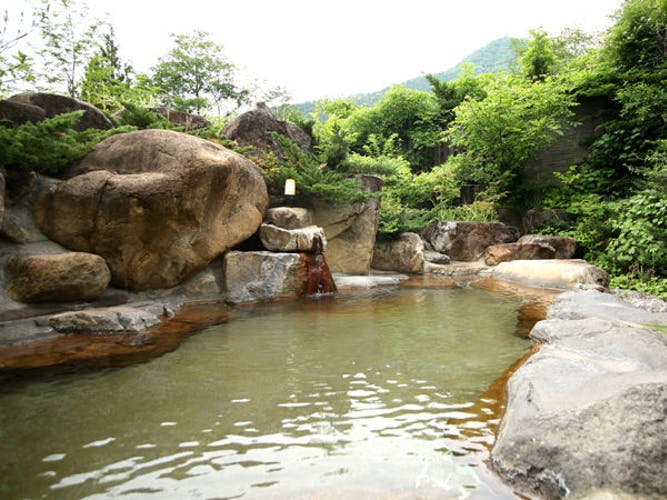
column 585, row 416
column 466, row 241
column 559, row 274
column 188, row 121
column 255, row 128
column 350, row 230
column 258, row 276
column 66, row 277
column 54, row 104
column 158, row 205
column 404, row 255
column 504, row 252
column 305, row 239
column 564, row 246
column 17, row 113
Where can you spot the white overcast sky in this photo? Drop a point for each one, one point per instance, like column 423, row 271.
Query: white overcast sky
column 334, row 48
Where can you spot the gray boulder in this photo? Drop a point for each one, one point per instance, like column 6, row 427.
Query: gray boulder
column 564, row 247
column 642, row 300
column 436, row 257
column 586, row 414
column 466, row 241
column 104, row 320
column 595, row 304
column 404, row 255
column 54, row 105
column 351, row 230
column 258, row 276
column 11, row 230
column 277, row 239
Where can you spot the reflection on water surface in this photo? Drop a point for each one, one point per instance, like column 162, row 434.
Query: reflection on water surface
column 362, row 396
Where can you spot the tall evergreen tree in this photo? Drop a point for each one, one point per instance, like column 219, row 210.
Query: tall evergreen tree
column 107, row 77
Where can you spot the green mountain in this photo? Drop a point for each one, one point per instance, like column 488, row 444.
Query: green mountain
column 497, row 56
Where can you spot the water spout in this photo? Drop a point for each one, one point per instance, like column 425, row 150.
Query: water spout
column 320, row 280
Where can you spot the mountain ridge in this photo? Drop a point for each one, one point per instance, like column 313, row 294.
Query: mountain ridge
column 496, row 56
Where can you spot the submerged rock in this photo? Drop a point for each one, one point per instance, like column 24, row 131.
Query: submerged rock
column 561, row 274
column 404, row 255
column 65, row 277
column 466, row 241
column 158, row 206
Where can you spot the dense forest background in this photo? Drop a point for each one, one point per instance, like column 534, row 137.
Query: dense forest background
column 448, row 146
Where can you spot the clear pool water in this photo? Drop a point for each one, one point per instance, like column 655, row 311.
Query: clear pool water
column 378, row 395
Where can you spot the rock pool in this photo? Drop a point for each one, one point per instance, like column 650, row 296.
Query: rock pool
column 374, row 394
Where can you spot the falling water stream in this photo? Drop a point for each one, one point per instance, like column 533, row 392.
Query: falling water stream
column 379, row 394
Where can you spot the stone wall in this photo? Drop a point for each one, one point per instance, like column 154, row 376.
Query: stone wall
column 569, row 149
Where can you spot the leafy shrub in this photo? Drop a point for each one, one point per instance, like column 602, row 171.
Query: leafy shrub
column 49, row 146
column 396, row 219
column 140, row 117
column 642, row 234
column 313, row 179
column 642, row 282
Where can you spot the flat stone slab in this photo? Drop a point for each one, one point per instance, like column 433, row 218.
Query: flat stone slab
column 595, row 304
column 586, row 414
column 347, row 281
column 104, row 320
column 561, row 274
column 278, row 239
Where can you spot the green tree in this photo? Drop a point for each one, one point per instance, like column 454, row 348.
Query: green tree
column 107, row 78
column 196, row 76
column 638, row 40
column 15, row 65
column 69, row 38
column 497, row 134
column 539, row 58
column 410, row 115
